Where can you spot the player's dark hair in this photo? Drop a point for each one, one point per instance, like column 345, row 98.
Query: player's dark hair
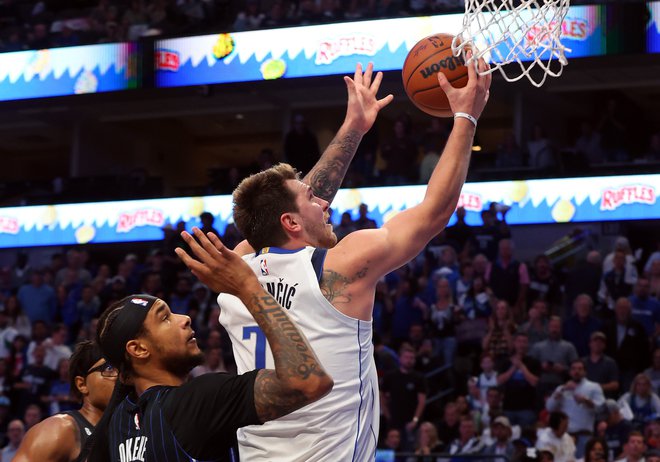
column 259, row 202
column 83, row 358
column 97, row 447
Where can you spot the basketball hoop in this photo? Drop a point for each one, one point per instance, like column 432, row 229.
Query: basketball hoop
column 526, row 32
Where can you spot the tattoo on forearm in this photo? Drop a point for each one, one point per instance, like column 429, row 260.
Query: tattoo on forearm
column 294, row 360
column 326, row 177
column 334, row 286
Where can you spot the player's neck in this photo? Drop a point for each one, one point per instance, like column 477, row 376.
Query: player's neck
column 90, row 412
column 156, row 378
column 294, row 244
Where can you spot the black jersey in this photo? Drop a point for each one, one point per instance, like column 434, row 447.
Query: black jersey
column 84, row 428
column 193, row 422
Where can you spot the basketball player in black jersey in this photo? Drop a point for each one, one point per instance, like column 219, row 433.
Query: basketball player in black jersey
column 61, row 437
column 154, row 415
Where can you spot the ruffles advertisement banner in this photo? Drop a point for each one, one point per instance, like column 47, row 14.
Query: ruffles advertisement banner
column 564, row 200
column 67, row 71
column 331, row 49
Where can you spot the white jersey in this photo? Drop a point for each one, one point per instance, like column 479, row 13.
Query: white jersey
column 343, row 425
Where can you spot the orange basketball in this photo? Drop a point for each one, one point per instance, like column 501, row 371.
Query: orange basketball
column 429, row 56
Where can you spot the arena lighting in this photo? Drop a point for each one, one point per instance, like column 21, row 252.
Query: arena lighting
column 476, row 148
column 560, row 200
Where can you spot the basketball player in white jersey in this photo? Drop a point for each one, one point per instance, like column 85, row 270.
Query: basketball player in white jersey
column 330, row 295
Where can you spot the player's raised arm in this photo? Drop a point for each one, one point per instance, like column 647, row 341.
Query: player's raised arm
column 362, row 108
column 298, row 378
column 406, row 234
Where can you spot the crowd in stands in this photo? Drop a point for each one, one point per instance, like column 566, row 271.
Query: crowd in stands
column 477, row 352
column 403, row 153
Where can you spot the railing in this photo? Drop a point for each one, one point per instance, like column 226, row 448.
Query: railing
column 384, row 455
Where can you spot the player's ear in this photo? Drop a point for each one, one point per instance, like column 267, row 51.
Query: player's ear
column 290, row 222
column 81, row 385
column 138, row 349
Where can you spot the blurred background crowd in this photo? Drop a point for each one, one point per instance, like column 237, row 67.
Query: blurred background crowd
column 477, row 350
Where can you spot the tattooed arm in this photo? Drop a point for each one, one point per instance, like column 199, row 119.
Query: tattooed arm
column 363, row 106
column 298, row 378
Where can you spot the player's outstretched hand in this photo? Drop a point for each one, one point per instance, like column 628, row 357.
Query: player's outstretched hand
column 472, row 98
column 220, row 268
column 363, row 103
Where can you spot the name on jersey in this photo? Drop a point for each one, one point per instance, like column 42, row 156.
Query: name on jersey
column 282, row 292
column 133, row 449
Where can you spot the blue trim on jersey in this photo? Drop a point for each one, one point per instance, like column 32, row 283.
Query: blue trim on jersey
column 162, row 433
column 357, row 435
column 266, row 250
column 371, row 425
column 318, row 259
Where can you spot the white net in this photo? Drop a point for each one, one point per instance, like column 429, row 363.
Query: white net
column 525, row 32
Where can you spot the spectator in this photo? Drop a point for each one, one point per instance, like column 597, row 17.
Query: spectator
column 596, row 450
column 88, row 306
column 518, row 378
column 588, row 145
column 250, row 19
column 579, row 399
column 213, row 362
column 509, row 278
column 602, row 369
column 498, row 341
column 641, row 400
column 363, row 221
column 541, row 153
column 181, row 297
column 585, row 278
column 427, row 440
column 509, row 154
column 487, row 378
column 345, row 226
column 627, row 343
column 555, row 439
column 555, row 356
column 645, row 309
column 613, row 134
column 56, row 349
column 617, row 282
column 207, row 220
column 392, row 441
column 427, row 165
column 301, row 147
column 37, row 299
column 59, row 397
column 633, row 450
column 617, row 429
column 448, row 426
column 536, row 327
column 493, row 407
column 654, row 278
column 579, row 327
column 15, row 434
column 34, row 383
column 479, row 301
column 444, row 317
column 74, row 272
column 461, row 235
column 32, row 416
column 468, row 442
column 543, row 284
column 404, row 395
column 17, row 319
column 489, row 235
column 7, row 333
column 400, row 153
column 653, row 372
column 501, row 432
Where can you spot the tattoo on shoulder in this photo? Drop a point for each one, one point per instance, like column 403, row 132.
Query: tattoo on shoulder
column 334, row 285
column 326, row 178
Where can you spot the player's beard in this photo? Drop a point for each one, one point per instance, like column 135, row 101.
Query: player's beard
column 325, row 237
column 181, row 365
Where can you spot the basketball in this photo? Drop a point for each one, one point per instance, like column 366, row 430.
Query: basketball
column 429, row 56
